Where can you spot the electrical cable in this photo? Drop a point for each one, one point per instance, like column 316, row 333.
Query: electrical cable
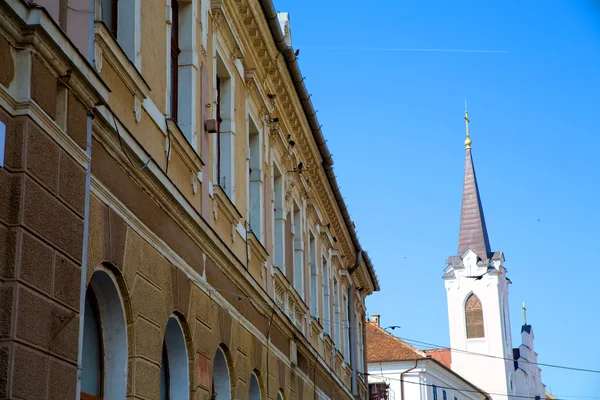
column 515, row 396
column 123, row 148
column 501, row 358
column 169, row 149
column 285, row 310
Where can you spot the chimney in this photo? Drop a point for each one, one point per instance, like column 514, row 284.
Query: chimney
column 376, row 319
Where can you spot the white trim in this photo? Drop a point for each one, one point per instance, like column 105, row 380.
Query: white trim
column 155, row 114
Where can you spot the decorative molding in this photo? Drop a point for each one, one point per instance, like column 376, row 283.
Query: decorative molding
column 224, row 204
column 256, row 248
column 120, row 62
column 35, row 112
column 137, row 108
column 181, row 146
column 97, row 56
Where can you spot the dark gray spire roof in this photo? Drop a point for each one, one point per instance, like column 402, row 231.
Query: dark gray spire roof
column 473, row 233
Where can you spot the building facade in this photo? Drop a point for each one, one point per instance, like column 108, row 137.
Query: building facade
column 477, row 288
column 398, row 371
column 170, row 224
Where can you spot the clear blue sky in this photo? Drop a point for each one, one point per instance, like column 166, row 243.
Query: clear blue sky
column 393, row 120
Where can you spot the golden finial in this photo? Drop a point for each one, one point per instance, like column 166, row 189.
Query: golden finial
column 468, row 139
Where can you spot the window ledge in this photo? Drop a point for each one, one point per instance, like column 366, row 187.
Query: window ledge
column 182, row 146
column 225, row 204
column 105, row 46
column 257, row 248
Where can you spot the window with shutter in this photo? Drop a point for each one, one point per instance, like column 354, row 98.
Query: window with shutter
column 474, row 318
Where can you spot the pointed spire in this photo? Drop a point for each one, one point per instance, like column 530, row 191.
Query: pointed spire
column 473, row 233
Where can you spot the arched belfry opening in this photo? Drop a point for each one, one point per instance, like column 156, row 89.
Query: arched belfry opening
column 474, row 317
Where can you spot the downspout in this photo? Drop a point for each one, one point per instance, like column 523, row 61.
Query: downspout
column 353, row 343
column 86, row 214
column 402, row 380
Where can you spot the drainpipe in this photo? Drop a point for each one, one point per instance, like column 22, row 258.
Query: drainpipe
column 402, row 380
column 86, row 214
column 352, row 323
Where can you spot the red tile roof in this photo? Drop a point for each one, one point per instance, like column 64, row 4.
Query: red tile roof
column 382, row 346
column 442, row 355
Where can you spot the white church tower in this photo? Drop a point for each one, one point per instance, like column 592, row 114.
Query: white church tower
column 477, row 290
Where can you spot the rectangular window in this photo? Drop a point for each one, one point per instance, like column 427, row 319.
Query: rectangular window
column 278, row 220
column 314, row 276
column 434, row 388
column 298, row 251
column 336, row 316
column 377, row 391
column 2, row 143
column 109, row 12
column 444, row 396
column 225, row 136
column 346, row 305
column 326, row 297
column 255, row 181
column 175, row 51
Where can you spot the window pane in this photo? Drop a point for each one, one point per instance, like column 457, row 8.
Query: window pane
column 91, row 374
column 107, row 14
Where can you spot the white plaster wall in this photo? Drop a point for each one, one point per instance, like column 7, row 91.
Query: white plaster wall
column 417, row 382
column 490, row 374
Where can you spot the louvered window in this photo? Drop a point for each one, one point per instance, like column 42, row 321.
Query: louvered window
column 474, row 318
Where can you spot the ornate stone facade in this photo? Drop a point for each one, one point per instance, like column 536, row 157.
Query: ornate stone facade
column 129, row 267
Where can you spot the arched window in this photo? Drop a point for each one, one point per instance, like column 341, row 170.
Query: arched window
column 174, row 373
column 104, row 357
column 474, row 317
column 280, row 394
column 221, row 382
column 254, row 388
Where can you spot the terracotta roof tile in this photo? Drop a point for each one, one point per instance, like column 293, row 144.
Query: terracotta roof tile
column 442, row 355
column 382, row 346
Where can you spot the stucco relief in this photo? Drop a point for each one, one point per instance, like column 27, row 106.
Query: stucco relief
column 137, row 108
column 97, row 57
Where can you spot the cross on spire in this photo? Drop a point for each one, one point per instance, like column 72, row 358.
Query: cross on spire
column 524, row 314
column 467, row 120
column 473, row 233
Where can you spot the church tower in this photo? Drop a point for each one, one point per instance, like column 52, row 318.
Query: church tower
column 477, row 291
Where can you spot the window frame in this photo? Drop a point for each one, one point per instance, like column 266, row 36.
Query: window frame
column 174, row 57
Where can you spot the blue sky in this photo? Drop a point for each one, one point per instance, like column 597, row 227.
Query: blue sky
column 393, row 120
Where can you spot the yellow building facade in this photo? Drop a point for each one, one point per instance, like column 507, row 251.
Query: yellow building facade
column 172, row 227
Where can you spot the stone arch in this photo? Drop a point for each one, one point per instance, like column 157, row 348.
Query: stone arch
column 221, row 376
column 105, row 351
column 474, row 317
column 175, row 373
